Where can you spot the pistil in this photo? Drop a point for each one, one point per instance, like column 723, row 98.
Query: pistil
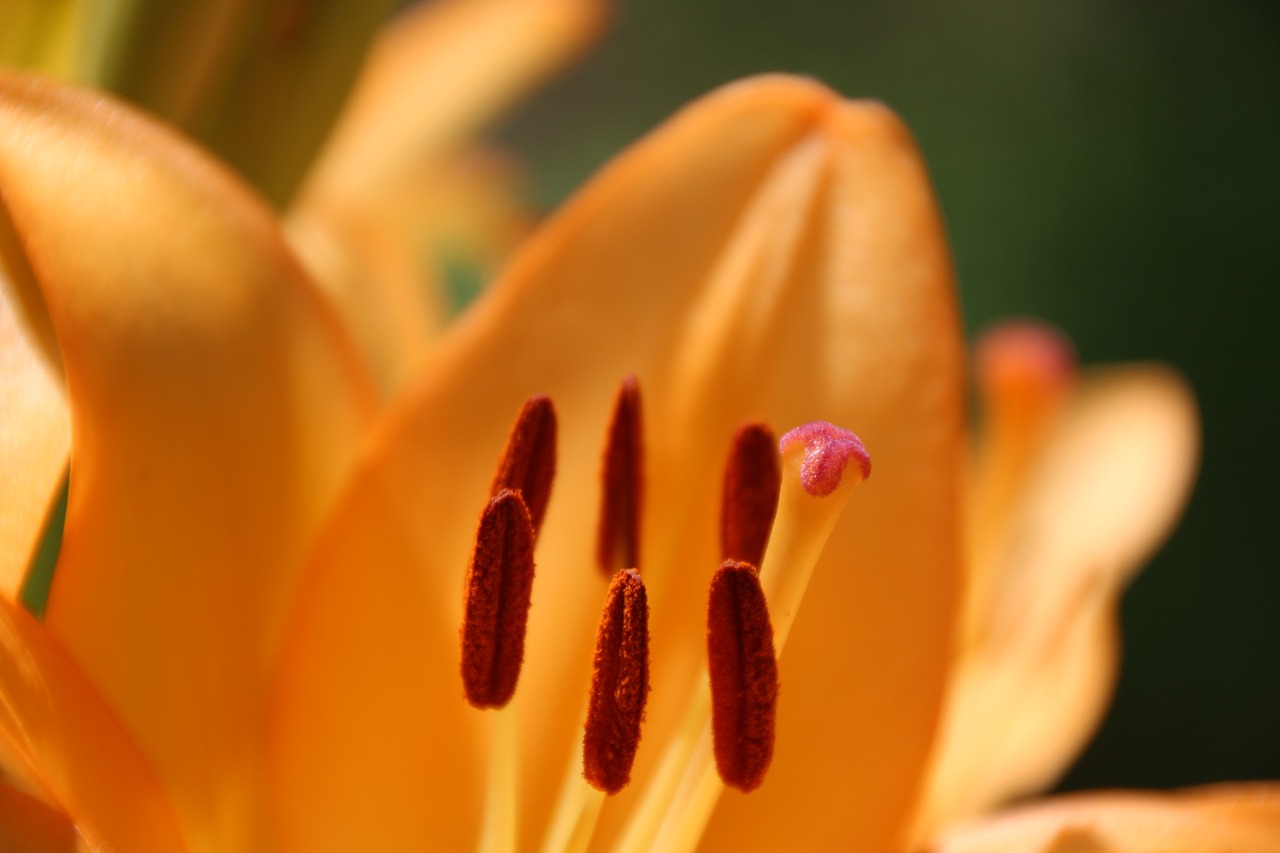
column 821, row 466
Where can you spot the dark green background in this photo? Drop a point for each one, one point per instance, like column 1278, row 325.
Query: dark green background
column 1110, row 166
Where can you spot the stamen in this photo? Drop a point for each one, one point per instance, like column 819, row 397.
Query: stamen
column 619, row 685
column 496, row 606
column 528, row 463
column 817, row 481
column 618, row 540
column 752, row 479
column 744, row 675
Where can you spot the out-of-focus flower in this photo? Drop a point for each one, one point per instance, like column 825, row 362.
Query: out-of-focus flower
column 251, row 640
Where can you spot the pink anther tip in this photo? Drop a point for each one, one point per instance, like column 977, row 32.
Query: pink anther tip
column 827, row 450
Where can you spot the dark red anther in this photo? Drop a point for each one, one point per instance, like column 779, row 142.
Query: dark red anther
column 744, row 675
column 752, row 481
column 496, row 601
column 528, row 463
column 618, row 537
column 619, row 685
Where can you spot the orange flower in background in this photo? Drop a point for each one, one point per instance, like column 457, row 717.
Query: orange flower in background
column 252, row 636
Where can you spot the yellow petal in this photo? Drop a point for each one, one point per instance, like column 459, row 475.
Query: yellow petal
column 35, row 431
column 214, row 408
column 772, row 252
column 59, row 740
column 1242, row 818
column 1033, row 682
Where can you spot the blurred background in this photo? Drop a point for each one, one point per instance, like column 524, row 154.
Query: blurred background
column 1111, row 167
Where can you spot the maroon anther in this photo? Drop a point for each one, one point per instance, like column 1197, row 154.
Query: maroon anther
column 496, row 601
column 619, row 685
column 744, row 675
column 752, row 481
column 528, row 463
column 618, row 536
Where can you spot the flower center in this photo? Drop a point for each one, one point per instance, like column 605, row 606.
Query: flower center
column 780, row 502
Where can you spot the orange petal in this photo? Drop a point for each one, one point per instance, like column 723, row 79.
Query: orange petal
column 772, row 252
column 398, row 192
column 1242, row 818
column 59, row 740
column 214, row 406
column 434, row 76
column 1034, row 676
column 374, row 746
column 29, row 825
column 35, row 428
column 385, row 267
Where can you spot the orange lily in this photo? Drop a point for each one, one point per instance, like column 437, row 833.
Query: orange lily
column 251, row 640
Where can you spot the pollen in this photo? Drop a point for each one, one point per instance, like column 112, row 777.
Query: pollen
column 528, row 462
column 619, row 685
column 752, row 480
column 622, row 479
column 496, row 601
column 744, row 675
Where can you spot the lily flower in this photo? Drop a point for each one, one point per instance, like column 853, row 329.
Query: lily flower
column 251, row 640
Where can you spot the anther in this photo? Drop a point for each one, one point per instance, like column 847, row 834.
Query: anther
column 752, row 480
column 744, row 675
column 619, row 685
column 618, row 536
column 528, row 463
column 827, row 450
column 496, row 601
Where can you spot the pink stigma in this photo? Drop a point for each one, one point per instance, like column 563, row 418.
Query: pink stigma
column 827, row 450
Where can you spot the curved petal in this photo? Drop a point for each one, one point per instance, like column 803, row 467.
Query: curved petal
column 386, row 268
column 59, row 740
column 772, row 252
column 1242, row 818
column 1032, row 683
column 398, row 192
column 434, row 76
column 214, row 407
column 35, row 436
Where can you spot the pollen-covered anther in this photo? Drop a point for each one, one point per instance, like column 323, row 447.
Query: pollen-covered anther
column 622, row 479
column 828, row 450
column 619, row 685
column 528, row 462
column 752, row 480
column 744, row 676
column 496, row 601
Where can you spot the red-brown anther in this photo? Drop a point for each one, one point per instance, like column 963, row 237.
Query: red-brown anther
column 618, row 537
column 528, row 463
column 752, row 481
column 619, row 685
column 744, row 675
column 496, row 601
